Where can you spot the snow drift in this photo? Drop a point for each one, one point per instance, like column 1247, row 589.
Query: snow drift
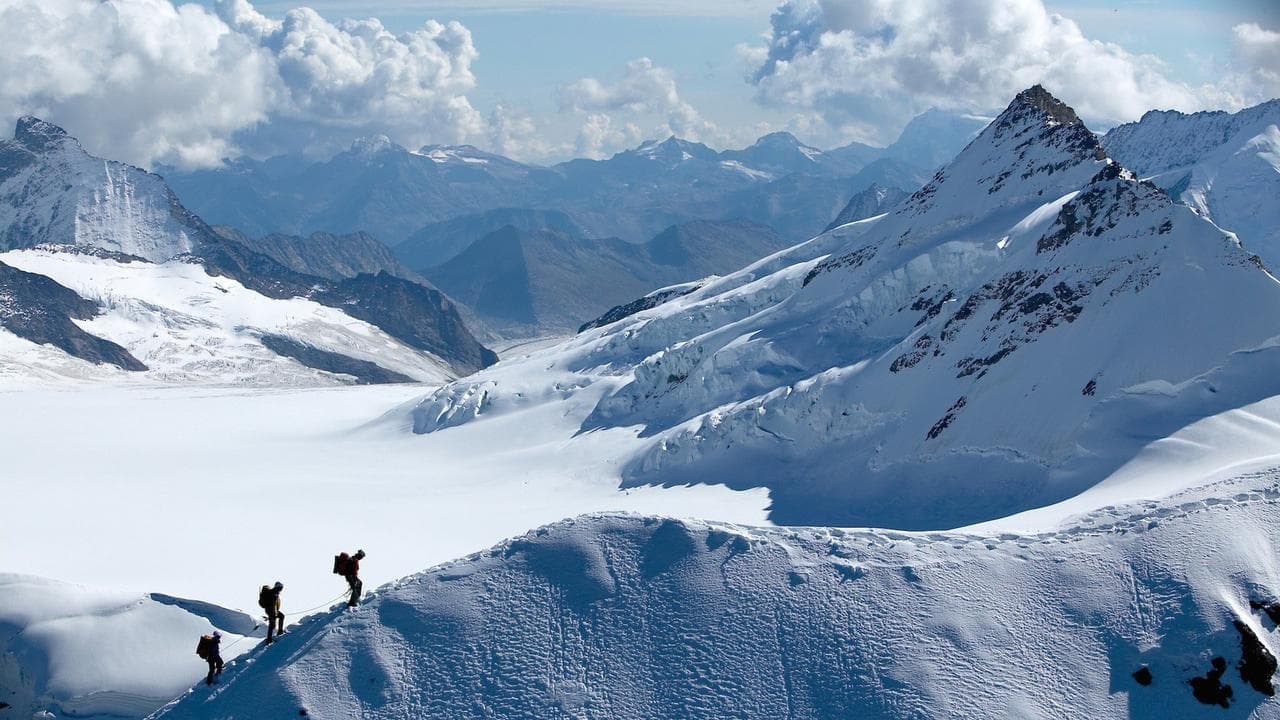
column 83, row 652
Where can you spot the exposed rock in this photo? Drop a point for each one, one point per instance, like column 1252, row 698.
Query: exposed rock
column 365, row 372
column 1210, row 689
column 38, row 309
column 1257, row 664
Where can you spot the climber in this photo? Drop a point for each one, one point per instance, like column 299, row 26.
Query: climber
column 209, row 651
column 348, row 566
column 269, row 600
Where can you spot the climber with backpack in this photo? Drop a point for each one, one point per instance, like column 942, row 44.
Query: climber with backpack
column 269, row 600
column 348, row 566
column 208, row 650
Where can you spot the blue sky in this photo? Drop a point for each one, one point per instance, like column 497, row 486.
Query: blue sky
column 528, row 50
column 194, row 83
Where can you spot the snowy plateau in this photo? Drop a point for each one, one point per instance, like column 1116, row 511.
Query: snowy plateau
column 1010, row 449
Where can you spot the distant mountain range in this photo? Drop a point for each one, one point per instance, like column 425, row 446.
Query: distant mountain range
column 395, row 193
column 91, row 243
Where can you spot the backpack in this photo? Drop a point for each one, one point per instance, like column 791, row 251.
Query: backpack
column 264, row 597
column 204, row 646
column 341, row 564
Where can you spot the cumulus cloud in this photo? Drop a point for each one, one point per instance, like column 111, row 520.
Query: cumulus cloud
column 868, row 65
column 1257, row 55
column 149, row 81
column 613, row 112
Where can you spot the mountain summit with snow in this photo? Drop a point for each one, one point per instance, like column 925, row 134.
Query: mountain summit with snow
column 52, row 191
column 989, row 346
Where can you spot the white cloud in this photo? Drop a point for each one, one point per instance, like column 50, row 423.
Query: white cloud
column 872, row 64
column 142, row 79
column 645, row 93
column 1257, row 54
column 148, row 81
column 599, row 136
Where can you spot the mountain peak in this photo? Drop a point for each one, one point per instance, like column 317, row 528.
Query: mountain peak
column 1036, row 109
column 372, row 145
column 36, row 134
column 779, row 138
column 1038, row 98
column 674, row 149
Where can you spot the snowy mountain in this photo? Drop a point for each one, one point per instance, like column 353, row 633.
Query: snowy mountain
column 1124, row 615
column 375, row 186
column 987, row 347
column 868, row 203
column 52, row 191
column 1224, row 166
column 107, row 266
column 396, row 194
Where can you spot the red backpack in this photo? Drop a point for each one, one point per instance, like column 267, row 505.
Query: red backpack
column 341, row 564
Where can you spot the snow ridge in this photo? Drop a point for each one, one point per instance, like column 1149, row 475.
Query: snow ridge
column 616, row 616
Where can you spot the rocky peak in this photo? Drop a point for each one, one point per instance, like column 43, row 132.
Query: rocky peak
column 1038, row 99
column 36, row 134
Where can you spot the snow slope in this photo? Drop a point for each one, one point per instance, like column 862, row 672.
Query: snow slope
column 1004, row 339
column 51, row 190
column 638, row 617
column 188, row 326
column 1224, row 166
column 82, row 652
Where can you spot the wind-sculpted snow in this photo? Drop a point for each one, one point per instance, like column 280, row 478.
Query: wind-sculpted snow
column 82, row 652
column 940, row 365
column 618, row 617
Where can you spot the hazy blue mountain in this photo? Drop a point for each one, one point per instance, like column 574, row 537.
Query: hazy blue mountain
column 376, row 186
column 438, row 242
column 395, row 193
column 518, row 282
column 325, row 254
column 869, row 203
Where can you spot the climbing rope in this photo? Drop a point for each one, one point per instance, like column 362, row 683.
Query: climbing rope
column 257, row 625
column 324, row 604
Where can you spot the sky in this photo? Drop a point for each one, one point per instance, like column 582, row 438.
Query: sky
column 191, row 84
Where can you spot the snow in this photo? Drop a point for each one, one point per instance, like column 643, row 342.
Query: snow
column 83, row 651
column 253, row 485
column 1225, row 166
column 443, row 155
column 749, row 172
column 187, row 326
column 1037, row 349
column 635, row 617
column 65, row 195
